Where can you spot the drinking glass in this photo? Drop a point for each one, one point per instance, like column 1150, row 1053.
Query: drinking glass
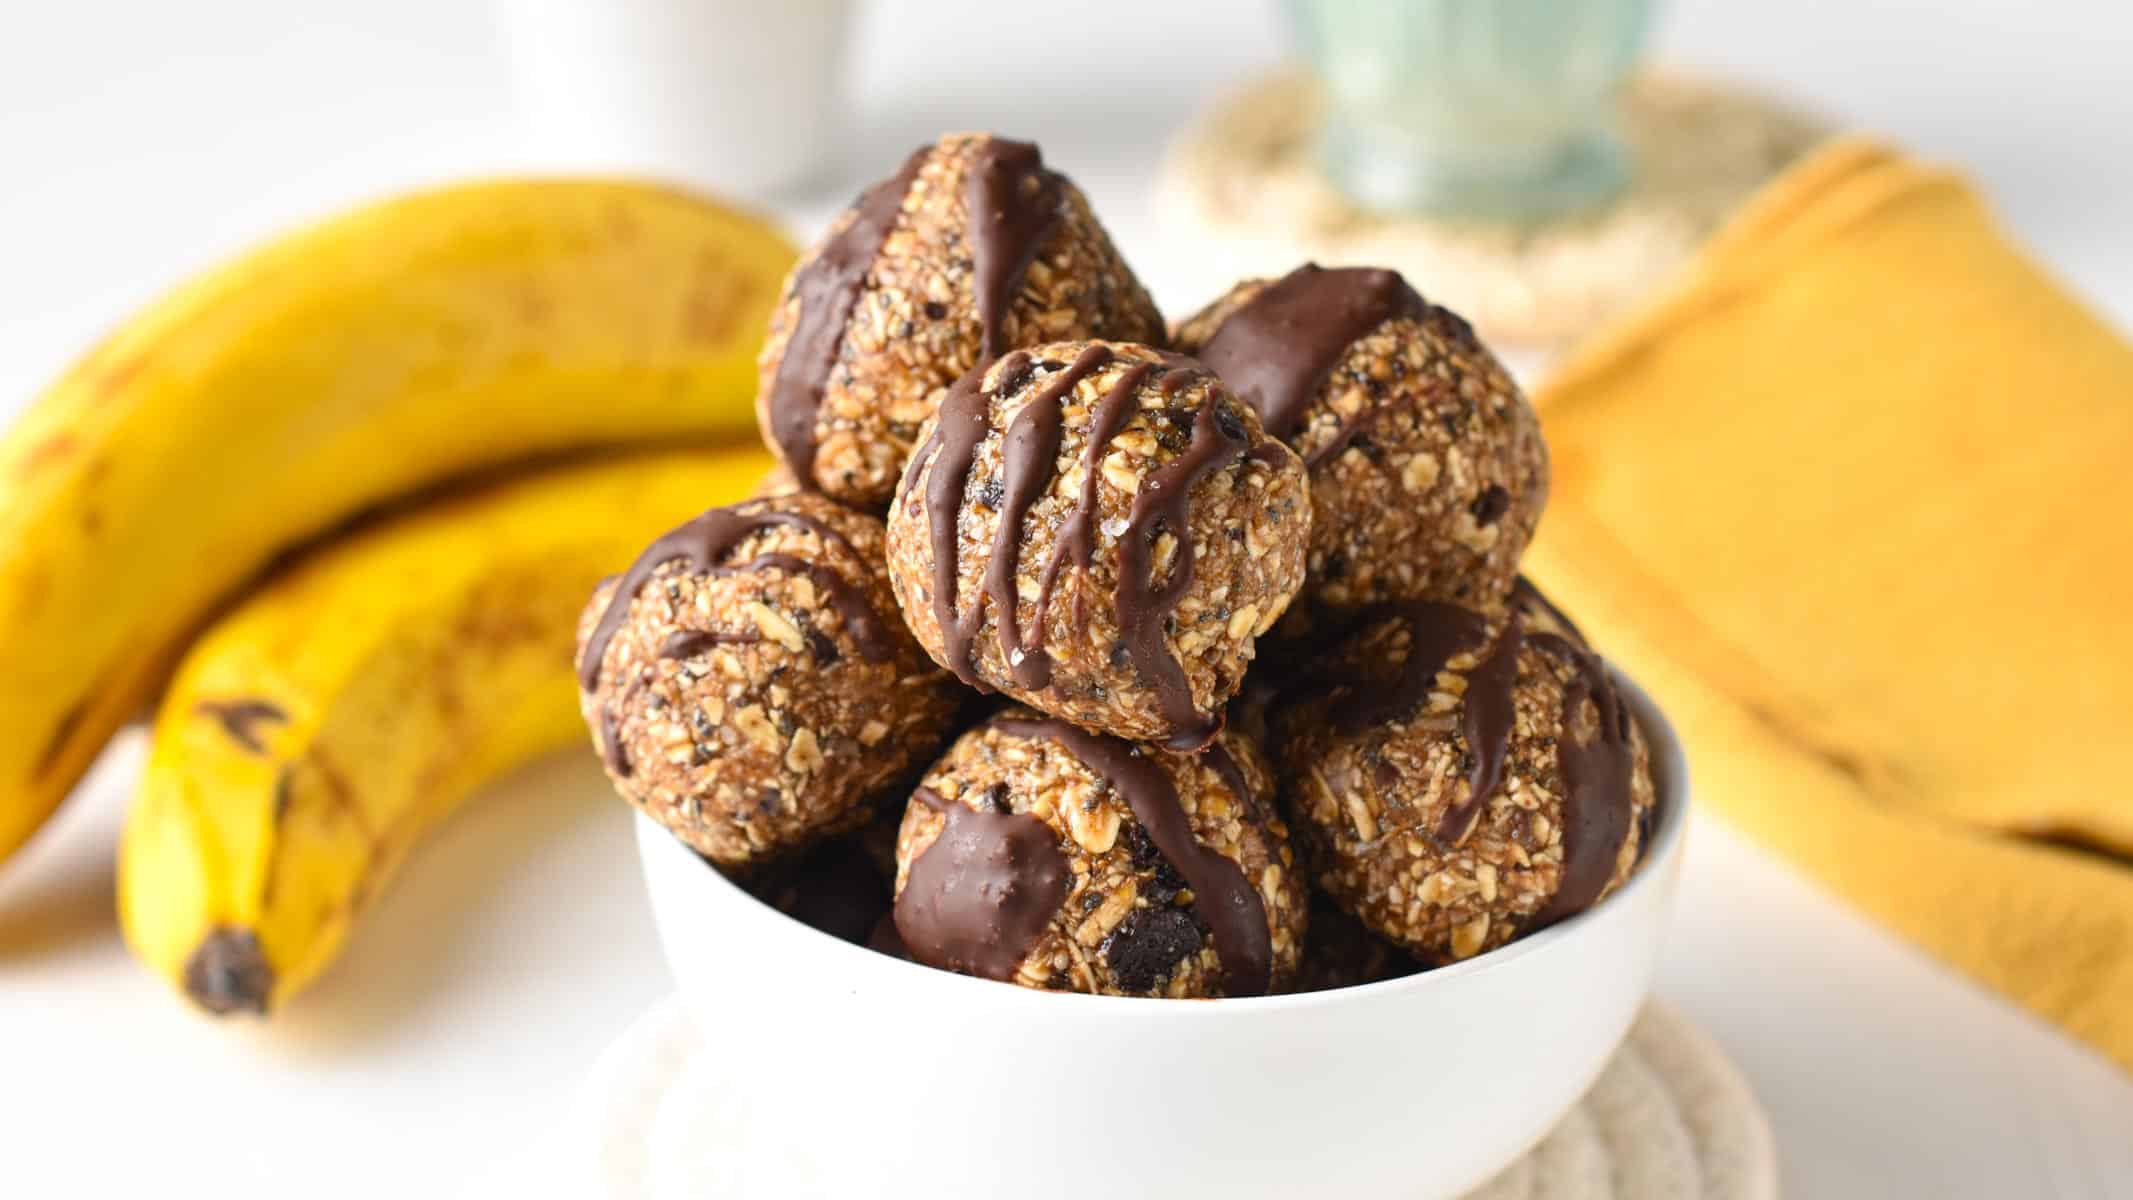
column 1485, row 109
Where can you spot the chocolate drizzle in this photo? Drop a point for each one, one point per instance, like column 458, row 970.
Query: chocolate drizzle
column 701, row 542
column 1489, row 710
column 1013, row 205
column 618, row 759
column 1597, row 776
column 1435, row 632
column 1029, row 456
column 1278, row 348
column 827, row 288
column 1222, row 898
column 1029, row 462
column 1224, row 765
column 1144, row 607
column 982, row 893
column 962, row 423
column 1076, row 538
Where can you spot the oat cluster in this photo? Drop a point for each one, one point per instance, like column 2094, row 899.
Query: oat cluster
column 1142, row 608
column 914, row 325
column 1428, row 472
column 1126, row 925
column 738, row 705
column 1235, row 560
column 1372, row 804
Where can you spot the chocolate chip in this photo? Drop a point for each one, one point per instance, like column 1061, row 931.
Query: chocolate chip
column 1146, row 856
column 1148, row 945
column 1018, row 371
column 1227, row 421
column 1141, row 848
column 935, row 310
column 1491, row 504
column 1387, row 778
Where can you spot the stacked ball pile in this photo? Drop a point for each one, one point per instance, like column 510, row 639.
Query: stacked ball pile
column 1130, row 661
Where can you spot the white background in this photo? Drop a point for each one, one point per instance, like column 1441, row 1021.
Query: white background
column 139, row 142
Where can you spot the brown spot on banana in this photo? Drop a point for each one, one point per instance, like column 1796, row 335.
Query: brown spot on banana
column 341, row 795
column 55, row 746
column 242, row 717
column 229, row 973
column 282, row 792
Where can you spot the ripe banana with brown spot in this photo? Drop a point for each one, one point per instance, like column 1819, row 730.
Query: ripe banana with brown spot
column 314, row 732
column 337, row 368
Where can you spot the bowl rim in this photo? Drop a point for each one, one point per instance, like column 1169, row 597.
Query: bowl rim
column 1670, row 782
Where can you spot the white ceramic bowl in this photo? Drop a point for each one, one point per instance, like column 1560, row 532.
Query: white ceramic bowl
column 916, row 1082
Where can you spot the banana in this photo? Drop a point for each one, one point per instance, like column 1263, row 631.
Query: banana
column 317, row 730
column 340, row 367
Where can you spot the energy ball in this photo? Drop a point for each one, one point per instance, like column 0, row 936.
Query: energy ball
column 1100, row 531
column 1342, row 952
column 833, row 886
column 1428, row 473
column 972, row 249
column 1039, row 853
column 1457, row 781
column 748, row 683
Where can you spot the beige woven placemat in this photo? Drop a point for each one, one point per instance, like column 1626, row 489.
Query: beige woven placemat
column 1241, row 196
column 1669, row 1119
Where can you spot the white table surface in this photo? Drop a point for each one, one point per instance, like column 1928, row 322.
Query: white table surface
column 141, row 142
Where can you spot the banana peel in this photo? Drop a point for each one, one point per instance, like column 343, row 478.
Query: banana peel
column 316, row 731
column 374, row 356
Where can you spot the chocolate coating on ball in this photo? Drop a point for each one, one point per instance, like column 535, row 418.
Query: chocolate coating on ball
column 1458, row 780
column 748, row 682
column 1042, row 854
column 1428, row 472
column 1100, row 531
column 973, row 248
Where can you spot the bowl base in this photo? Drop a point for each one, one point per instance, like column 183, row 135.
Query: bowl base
column 1670, row 1116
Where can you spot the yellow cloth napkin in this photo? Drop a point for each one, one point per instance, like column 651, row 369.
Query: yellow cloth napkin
column 1855, row 502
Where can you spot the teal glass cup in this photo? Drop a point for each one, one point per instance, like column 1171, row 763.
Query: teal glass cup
column 1488, row 110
